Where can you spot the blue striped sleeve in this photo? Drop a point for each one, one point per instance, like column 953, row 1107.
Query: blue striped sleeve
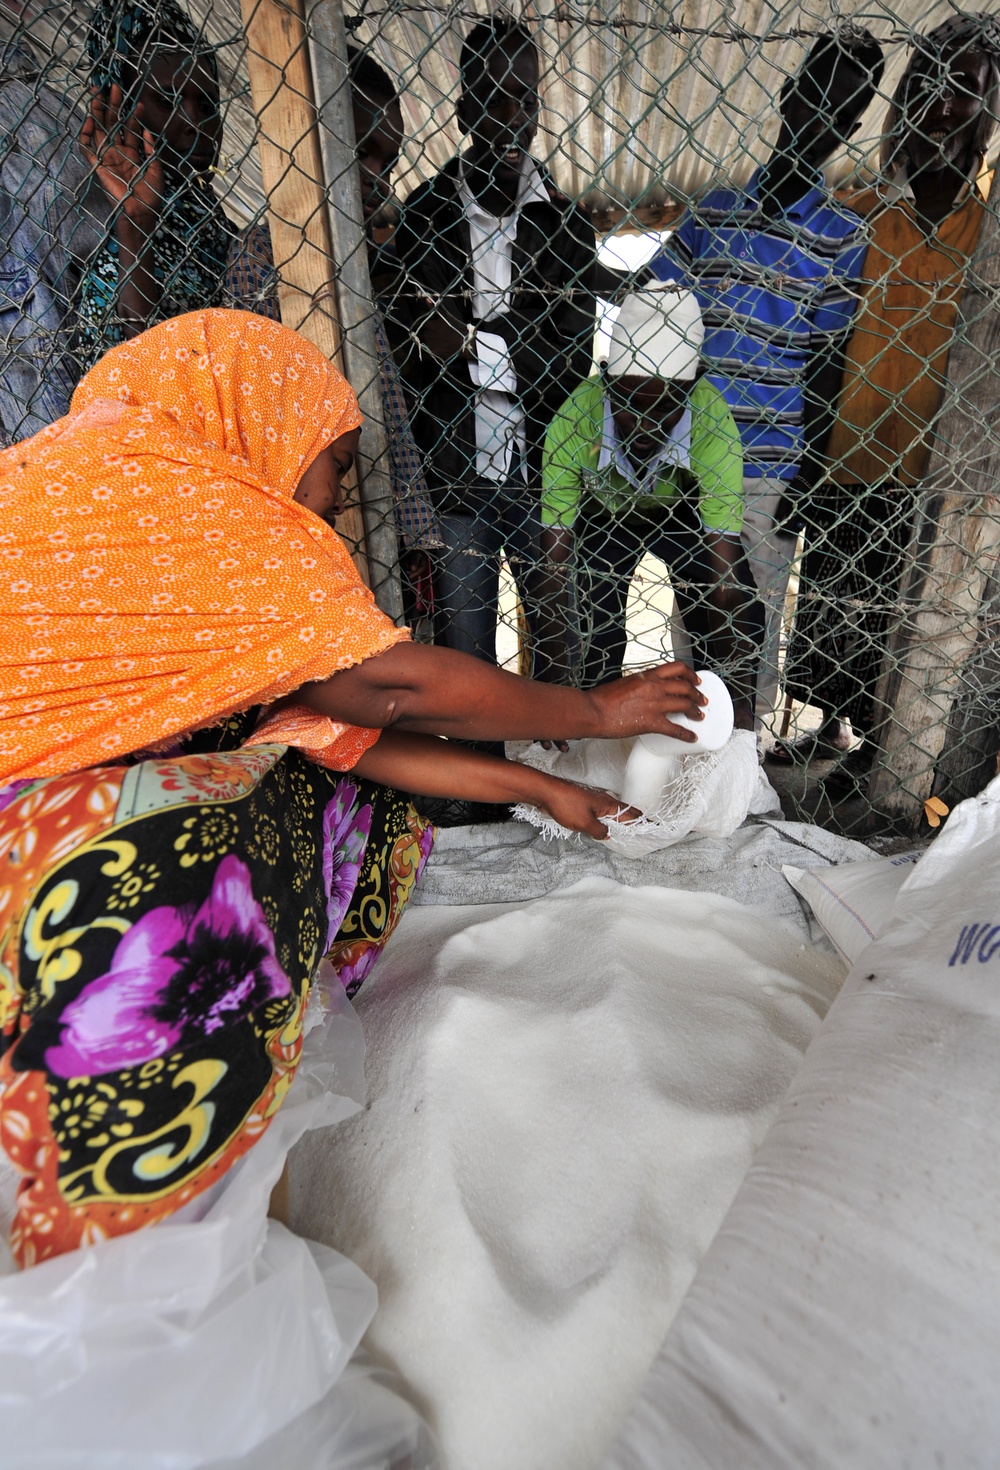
column 674, row 261
column 837, row 303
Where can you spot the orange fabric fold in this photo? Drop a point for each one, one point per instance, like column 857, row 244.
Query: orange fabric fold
column 158, row 574
column 327, row 742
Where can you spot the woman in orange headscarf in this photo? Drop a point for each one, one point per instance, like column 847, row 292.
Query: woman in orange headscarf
column 191, row 667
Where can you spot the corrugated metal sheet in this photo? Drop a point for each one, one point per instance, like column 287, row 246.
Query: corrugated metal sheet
column 641, row 101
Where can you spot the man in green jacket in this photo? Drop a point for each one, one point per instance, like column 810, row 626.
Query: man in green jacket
column 646, row 458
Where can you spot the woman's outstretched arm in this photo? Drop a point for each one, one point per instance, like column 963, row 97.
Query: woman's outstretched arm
column 437, row 691
column 425, row 766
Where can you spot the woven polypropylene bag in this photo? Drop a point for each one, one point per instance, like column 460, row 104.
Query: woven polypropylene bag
column 709, row 795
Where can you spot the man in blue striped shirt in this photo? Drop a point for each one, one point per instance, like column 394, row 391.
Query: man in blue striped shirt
column 773, row 267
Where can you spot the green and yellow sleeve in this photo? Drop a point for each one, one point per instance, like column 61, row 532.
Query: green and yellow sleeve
column 569, row 450
column 716, row 460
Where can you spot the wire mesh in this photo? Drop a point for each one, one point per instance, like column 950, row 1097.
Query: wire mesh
column 808, row 505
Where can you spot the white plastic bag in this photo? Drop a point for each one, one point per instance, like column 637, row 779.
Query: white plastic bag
column 362, row 1424
column 710, row 794
column 202, row 1337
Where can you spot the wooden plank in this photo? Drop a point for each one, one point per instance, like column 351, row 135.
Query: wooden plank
column 335, row 113
column 972, row 743
column 952, row 550
column 291, row 164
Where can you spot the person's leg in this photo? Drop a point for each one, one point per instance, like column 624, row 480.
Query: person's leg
column 692, row 551
column 520, row 526
column 657, row 539
column 675, row 539
column 883, row 520
column 416, row 575
column 466, row 598
column 609, row 551
column 467, row 580
column 399, row 844
column 770, row 554
column 873, row 542
column 817, row 667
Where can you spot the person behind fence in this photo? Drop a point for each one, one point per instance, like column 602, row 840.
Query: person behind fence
column 925, row 217
column 499, row 316
column 252, row 285
column 199, row 794
column 53, row 215
column 646, row 458
column 773, row 266
column 153, row 138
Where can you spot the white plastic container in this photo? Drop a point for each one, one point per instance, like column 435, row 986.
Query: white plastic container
column 653, row 761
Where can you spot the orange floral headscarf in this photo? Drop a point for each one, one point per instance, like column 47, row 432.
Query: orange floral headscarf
column 155, row 571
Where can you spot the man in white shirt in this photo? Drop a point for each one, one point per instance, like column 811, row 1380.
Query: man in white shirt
column 498, row 310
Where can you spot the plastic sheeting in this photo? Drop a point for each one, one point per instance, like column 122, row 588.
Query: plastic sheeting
column 509, row 862
column 174, row 1346
column 847, row 1315
column 640, row 100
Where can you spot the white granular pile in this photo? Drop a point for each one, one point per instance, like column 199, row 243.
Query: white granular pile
column 563, row 1098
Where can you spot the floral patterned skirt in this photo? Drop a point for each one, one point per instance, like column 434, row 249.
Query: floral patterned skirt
column 160, row 924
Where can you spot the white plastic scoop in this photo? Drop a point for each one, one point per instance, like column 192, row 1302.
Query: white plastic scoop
column 653, row 761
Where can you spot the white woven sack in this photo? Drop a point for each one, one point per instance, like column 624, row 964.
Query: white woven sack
column 710, row 795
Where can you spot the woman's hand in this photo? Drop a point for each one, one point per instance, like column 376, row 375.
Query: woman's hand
column 580, row 808
column 643, row 703
column 429, row 767
column 123, row 155
column 439, row 691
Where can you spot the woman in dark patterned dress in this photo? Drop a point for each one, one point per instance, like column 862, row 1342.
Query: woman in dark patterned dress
column 198, row 795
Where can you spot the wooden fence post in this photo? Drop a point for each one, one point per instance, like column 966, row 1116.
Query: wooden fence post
column 328, row 46
column 292, row 167
column 952, row 549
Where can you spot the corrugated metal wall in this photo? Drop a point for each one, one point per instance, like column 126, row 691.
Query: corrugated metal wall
column 642, row 101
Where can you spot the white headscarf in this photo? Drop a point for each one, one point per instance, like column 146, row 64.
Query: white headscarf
column 658, row 334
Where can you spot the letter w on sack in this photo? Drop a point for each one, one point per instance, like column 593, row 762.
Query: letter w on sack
column 976, row 942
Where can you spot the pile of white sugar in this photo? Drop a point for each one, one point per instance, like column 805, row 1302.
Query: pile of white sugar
column 563, row 1098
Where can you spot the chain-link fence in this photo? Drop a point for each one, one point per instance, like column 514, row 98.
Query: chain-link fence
column 674, row 329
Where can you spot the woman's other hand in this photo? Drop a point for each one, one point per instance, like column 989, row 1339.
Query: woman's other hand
column 432, row 767
column 580, row 808
column 123, row 155
column 641, row 703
